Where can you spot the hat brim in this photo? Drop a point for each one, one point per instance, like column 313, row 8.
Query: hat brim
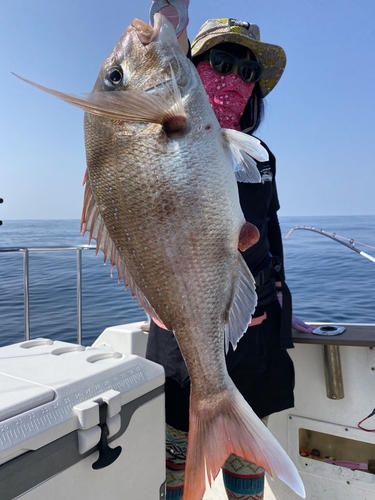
column 272, row 57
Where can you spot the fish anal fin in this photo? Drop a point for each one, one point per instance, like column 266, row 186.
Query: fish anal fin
column 249, row 236
column 243, row 305
column 231, row 428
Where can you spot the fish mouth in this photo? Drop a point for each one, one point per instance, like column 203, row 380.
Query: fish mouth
column 146, row 33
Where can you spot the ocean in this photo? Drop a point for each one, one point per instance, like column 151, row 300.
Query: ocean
column 329, row 282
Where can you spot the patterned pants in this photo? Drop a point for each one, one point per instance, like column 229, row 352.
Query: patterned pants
column 242, row 480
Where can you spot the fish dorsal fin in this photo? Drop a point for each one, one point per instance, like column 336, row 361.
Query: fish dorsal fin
column 245, row 151
column 162, row 106
column 244, row 303
column 92, row 222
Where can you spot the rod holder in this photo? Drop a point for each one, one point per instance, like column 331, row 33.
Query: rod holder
column 333, row 372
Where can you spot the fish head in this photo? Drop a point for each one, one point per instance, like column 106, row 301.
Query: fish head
column 144, row 59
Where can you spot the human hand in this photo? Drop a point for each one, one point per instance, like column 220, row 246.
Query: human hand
column 297, row 324
column 300, row 326
column 171, row 13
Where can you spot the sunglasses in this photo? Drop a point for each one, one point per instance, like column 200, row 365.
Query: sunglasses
column 224, row 64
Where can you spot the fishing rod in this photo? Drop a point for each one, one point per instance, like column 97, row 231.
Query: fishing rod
column 338, row 239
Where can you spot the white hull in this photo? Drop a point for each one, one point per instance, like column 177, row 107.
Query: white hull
column 327, row 424
column 330, row 424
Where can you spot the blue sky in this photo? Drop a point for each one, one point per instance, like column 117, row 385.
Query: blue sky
column 320, row 119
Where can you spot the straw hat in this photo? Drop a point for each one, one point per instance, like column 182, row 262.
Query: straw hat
column 272, row 57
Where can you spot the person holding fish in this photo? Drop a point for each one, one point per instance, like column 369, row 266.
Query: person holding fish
column 238, row 71
column 181, row 198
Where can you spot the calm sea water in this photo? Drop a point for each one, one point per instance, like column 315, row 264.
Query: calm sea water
column 329, row 282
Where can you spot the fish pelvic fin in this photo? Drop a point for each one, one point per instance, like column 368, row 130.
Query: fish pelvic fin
column 249, row 236
column 233, row 428
column 162, row 104
column 243, row 306
column 92, row 222
column 245, row 151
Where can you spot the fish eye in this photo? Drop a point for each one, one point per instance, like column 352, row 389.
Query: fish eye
column 114, row 77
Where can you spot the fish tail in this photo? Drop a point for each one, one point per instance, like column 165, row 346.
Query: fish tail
column 232, row 429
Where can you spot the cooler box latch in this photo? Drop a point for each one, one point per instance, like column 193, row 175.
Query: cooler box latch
column 107, row 455
column 99, row 420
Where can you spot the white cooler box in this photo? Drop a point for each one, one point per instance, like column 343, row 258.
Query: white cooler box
column 80, row 423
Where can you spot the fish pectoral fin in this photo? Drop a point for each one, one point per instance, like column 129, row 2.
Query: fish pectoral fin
column 245, row 152
column 164, row 107
column 243, row 306
column 231, row 428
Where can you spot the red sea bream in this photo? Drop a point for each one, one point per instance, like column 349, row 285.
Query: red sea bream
column 161, row 201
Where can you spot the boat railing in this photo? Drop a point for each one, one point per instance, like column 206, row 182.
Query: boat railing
column 26, row 279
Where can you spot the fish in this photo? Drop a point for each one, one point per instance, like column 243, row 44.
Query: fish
column 161, row 201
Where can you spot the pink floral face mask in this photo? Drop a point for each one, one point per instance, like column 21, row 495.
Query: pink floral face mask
column 228, row 95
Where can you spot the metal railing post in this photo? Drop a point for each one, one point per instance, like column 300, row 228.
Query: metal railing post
column 26, row 281
column 333, row 371
column 79, row 296
column 26, row 292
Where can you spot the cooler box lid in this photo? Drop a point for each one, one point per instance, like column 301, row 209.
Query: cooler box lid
column 51, row 388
